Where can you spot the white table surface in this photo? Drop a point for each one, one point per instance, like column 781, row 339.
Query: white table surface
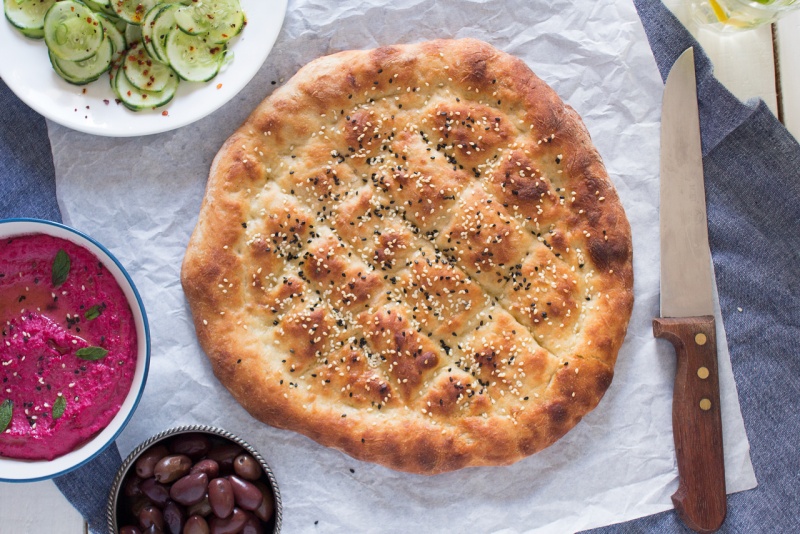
column 762, row 63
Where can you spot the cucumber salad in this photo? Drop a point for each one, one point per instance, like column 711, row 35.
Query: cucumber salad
column 145, row 46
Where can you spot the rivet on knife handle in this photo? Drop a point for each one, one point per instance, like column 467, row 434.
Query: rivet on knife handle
column 697, row 423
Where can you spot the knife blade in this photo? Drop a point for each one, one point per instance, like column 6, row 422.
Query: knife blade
column 687, row 306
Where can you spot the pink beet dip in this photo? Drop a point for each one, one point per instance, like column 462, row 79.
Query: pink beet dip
column 68, row 347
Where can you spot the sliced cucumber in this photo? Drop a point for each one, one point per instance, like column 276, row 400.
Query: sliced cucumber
column 163, row 23
column 100, row 6
column 143, row 72
column 35, row 33
column 28, row 16
column 136, row 99
column 147, row 30
column 222, row 18
column 190, row 21
column 132, row 11
column 229, row 20
column 115, row 36
column 192, row 57
column 230, row 27
column 72, row 31
column 88, row 70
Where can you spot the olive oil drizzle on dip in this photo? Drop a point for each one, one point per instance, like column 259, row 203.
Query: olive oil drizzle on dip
column 67, row 347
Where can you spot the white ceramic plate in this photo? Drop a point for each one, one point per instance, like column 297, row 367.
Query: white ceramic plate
column 28, row 471
column 26, row 69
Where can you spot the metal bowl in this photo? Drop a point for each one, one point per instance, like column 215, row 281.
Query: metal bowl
column 130, row 461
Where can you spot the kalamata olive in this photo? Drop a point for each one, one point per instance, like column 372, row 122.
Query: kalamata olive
column 151, row 515
column 190, row 489
column 153, row 529
column 224, row 454
column 174, row 517
column 158, row 493
column 127, row 529
column 220, row 497
column 252, row 526
column 196, row 525
column 229, row 525
column 172, row 467
column 131, row 486
column 267, row 507
column 194, row 446
column 209, row 467
column 139, row 502
column 247, row 467
column 148, row 460
column 246, row 494
column 203, row 508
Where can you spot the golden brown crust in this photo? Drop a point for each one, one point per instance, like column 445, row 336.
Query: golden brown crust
column 413, row 254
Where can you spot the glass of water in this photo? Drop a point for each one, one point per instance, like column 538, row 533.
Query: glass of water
column 735, row 15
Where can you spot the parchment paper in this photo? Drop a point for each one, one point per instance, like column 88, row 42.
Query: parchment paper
column 141, row 197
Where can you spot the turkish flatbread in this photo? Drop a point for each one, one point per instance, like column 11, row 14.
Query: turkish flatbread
column 413, row 254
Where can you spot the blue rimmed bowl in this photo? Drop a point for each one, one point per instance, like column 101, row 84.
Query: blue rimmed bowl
column 15, row 470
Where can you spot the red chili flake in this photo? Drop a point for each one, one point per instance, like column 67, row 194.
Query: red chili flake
column 83, row 90
column 219, row 86
column 105, row 101
column 165, row 113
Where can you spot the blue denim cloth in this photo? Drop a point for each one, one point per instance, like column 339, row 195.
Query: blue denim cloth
column 752, row 170
column 27, row 177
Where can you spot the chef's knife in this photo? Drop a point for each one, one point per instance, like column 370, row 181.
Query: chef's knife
column 687, row 306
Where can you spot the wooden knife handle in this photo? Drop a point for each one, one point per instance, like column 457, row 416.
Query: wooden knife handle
column 697, row 423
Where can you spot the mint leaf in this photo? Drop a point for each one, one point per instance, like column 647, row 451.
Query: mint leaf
column 93, row 313
column 59, row 407
column 91, row 353
column 60, row 268
column 6, row 410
